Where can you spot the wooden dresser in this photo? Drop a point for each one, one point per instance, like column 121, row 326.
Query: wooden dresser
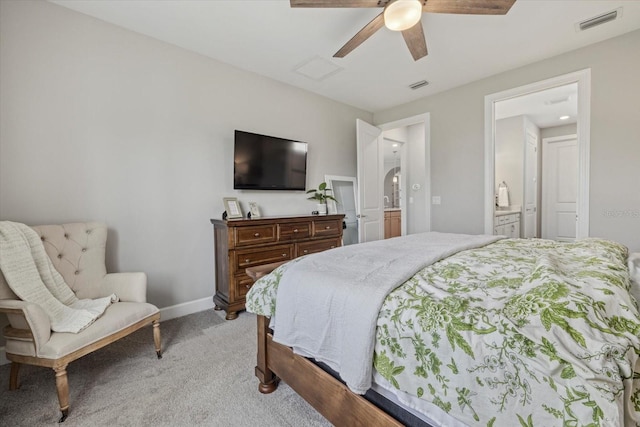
column 243, row 243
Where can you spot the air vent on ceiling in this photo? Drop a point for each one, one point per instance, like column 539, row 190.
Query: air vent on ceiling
column 600, row 19
column 317, row 68
column 557, row 100
column 418, row 85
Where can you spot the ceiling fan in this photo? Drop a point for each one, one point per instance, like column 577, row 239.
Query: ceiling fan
column 404, row 16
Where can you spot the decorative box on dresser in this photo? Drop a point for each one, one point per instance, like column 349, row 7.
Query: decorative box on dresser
column 243, row 243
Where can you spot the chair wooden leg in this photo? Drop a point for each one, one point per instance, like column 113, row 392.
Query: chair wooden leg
column 62, row 384
column 13, row 376
column 156, row 338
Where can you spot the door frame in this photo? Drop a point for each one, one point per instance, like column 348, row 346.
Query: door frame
column 583, row 79
column 525, row 178
column 410, row 121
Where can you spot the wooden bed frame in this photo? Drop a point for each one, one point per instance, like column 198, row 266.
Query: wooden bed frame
column 326, row 394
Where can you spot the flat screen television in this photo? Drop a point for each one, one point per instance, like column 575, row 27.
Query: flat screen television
column 262, row 162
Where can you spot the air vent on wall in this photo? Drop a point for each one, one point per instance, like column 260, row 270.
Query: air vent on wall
column 418, row 85
column 600, row 19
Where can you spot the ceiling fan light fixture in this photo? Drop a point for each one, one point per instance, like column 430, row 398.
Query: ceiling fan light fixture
column 401, row 15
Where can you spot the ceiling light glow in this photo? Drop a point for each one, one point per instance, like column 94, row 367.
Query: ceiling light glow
column 401, row 15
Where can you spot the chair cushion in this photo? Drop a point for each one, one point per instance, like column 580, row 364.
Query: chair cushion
column 118, row 316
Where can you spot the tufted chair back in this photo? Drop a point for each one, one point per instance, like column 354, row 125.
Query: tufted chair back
column 77, row 251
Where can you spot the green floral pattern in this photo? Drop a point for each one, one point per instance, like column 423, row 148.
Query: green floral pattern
column 517, row 333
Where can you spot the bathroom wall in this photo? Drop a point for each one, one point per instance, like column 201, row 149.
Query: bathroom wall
column 509, row 154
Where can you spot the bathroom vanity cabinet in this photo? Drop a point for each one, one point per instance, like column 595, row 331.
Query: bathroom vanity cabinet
column 507, row 223
column 392, row 223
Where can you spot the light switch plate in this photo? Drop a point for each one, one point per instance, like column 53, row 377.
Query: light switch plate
column 435, row 200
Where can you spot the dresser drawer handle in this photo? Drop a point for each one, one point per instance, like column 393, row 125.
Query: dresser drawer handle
column 328, row 227
column 256, row 235
column 284, row 255
column 247, row 260
column 306, row 251
column 247, row 286
column 295, row 230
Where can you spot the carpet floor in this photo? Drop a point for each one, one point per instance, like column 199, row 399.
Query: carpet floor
column 206, row 377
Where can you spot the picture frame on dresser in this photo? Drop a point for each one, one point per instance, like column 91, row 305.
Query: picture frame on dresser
column 232, row 207
column 254, row 209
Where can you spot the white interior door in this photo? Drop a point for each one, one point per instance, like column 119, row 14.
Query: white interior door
column 559, row 188
column 370, row 186
column 530, row 185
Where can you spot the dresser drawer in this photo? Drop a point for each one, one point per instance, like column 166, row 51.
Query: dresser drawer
column 312, row 247
column 294, row 231
column 249, row 257
column 241, row 285
column 327, row 228
column 245, row 236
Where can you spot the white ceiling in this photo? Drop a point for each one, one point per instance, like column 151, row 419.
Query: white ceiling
column 270, row 38
column 544, row 108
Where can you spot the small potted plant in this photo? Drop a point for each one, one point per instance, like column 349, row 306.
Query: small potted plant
column 320, row 194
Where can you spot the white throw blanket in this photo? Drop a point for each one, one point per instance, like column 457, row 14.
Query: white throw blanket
column 328, row 303
column 31, row 276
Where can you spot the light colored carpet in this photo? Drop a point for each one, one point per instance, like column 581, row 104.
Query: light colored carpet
column 206, row 377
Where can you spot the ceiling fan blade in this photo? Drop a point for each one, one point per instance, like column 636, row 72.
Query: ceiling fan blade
column 414, row 37
column 335, row 3
column 470, row 7
column 361, row 36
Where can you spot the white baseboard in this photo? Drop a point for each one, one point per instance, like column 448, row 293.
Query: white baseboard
column 185, row 308
column 166, row 313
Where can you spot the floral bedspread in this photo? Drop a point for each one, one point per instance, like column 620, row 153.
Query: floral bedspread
column 517, row 333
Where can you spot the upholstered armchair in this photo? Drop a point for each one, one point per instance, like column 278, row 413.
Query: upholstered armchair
column 78, row 254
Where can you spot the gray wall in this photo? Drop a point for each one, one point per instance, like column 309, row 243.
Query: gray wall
column 457, row 139
column 417, row 218
column 100, row 123
column 509, row 151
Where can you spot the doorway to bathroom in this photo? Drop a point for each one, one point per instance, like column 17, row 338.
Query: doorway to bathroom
column 543, row 160
column 413, row 191
column 392, row 184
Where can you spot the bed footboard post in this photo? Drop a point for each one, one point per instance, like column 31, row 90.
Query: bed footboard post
column 268, row 380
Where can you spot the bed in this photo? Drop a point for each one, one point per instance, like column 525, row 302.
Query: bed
column 488, row 332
